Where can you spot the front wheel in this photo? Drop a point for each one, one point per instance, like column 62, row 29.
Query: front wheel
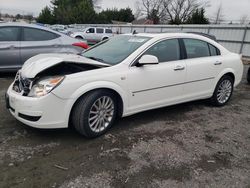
column 79, row 37
column 223, row 91
column 95, row 113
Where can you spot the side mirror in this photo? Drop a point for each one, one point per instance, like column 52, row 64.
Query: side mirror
column 87, row 31
column 148, row 60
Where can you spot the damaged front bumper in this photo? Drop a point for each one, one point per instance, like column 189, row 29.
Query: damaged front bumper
column 47, row 112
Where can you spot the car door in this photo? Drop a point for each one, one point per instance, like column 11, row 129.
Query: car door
column 99, row 34
column 10, row 47
column 158, row 85
column 90, row 34
column 203, row 66
column 36, row 41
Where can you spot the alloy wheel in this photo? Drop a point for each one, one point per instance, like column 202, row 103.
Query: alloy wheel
column 224, row 91
column 101, row 114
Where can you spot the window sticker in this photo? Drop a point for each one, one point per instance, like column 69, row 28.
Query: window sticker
column 139, row 40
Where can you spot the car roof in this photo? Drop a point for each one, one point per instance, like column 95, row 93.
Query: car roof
column 153, row 35
column 173, row 35
column 18, row 24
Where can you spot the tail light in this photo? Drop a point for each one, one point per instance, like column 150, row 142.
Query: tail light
column 81, row 45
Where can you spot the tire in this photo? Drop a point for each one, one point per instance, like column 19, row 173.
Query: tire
column 91, row 121
column 79, row 37
column 105, row 38
column 223, row 91
column 248, row 76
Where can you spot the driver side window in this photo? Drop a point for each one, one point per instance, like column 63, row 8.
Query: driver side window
column 165, row 51
column 91, row 30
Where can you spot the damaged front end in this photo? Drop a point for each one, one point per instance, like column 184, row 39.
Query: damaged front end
column 48, row 79
column 22, row 85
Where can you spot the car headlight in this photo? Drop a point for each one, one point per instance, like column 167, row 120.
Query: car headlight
column 45, row 86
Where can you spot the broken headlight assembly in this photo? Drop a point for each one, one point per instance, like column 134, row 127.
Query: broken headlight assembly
column 44, row 86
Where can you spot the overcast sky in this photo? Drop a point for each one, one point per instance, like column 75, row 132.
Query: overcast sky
column 232, row 9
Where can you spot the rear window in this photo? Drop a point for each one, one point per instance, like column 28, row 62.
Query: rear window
column 9, row 34
column 108, row 31
column 32, row 34
column 213, row 50
column 196, row 48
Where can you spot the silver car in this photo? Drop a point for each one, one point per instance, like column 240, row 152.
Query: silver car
column 19, row 42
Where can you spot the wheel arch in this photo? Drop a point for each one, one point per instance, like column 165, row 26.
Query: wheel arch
column 105, row 37
column 231, row 75
column 79, row 36
column 115, row 89
column 230, row 72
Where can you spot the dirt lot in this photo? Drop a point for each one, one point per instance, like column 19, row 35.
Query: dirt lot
column 188, row 145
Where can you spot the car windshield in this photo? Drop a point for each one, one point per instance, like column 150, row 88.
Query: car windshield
column 116, row 49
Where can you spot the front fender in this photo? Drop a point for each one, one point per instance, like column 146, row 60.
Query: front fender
column 78, row 34
column 100, row 85
column 92, row 86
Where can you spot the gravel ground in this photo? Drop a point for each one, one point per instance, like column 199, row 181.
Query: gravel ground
column 187, row 145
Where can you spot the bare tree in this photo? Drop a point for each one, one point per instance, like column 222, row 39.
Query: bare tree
column 178, row 11
column 138, row 11
column 219, row 15
column 243, row 19
column 149, row 7
column 172, row 11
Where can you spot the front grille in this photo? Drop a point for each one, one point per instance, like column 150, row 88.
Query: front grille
column 22, row 85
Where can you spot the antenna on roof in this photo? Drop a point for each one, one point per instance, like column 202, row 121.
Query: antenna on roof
column 134, row 32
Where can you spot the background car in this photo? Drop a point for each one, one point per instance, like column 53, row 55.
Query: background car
column 59, row 28
column 93, row 35
column 19, row 42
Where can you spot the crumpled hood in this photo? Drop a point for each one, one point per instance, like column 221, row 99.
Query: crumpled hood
column 41, row 62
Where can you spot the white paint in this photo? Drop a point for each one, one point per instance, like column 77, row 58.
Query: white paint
column 147, row 87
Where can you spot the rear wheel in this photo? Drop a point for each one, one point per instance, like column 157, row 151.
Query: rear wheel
column 95, row 113
column 223, row 91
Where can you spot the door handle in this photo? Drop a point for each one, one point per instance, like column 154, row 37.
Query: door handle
column 218, row 63
column 179, row 67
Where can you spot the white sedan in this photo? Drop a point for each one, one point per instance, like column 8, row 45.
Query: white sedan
column 119, row 77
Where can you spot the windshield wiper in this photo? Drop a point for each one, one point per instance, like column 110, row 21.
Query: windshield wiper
column 99, row 60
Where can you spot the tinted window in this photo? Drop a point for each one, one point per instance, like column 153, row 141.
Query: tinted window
column 9, row 34
column 31, row 34
column 165, row 51
column 108, row 31
column 99, row 30
column 196, row 48
column 213, row 50
column 91, row 30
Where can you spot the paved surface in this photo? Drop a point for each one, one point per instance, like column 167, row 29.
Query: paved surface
column 188, row 145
